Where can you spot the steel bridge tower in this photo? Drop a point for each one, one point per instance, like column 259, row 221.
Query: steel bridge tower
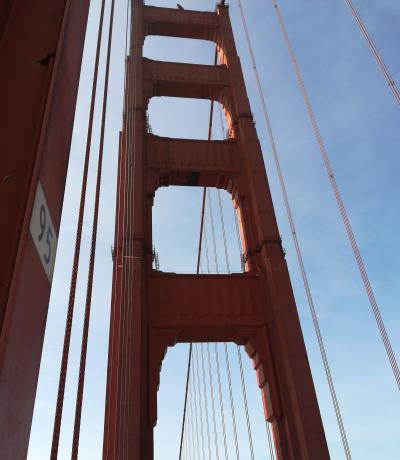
column 152, row 310
column 41, row 47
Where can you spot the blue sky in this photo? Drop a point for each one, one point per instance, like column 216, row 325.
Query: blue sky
column 359, row 122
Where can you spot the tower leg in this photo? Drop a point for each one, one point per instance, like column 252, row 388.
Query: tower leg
column 41, row 45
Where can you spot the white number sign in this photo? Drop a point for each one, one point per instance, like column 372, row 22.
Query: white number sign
column 43, row 233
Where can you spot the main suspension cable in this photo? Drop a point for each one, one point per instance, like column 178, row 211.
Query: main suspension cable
column 339, row 200
column 297, row 245
column 77, row 250
column 375, row 53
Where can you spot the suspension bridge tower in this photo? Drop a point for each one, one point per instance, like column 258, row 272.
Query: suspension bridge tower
column 152, row 310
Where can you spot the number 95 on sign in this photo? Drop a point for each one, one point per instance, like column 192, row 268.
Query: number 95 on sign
column 42, row 232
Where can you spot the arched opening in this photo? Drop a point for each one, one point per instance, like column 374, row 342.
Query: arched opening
column 176, row 231
column 217, row 403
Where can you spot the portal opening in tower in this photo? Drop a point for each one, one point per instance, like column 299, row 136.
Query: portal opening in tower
column 185, row 118
column 174, row 49
column 176, row 235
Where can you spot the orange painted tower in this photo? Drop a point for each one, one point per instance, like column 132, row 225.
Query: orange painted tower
column 152, row 310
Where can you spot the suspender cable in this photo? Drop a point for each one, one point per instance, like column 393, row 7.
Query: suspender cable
column 192, row 434
column 238, row 348
column 212, row 402
column 197, row 376
column 206, row 248
column 228, row 368
column 226, row 353
column 75, row 264
column 246, row 407
column 221, row 401
column 196, row 419
column 375, row 53
column 221, row 215
column 213, row 232
column 89, row 288
column 271, row 449
column 186, row 396
column 297, row 246
column 203, row 205
column 205, row 400
column 339, row 200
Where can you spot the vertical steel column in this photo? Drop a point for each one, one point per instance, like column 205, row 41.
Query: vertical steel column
column 41, row 46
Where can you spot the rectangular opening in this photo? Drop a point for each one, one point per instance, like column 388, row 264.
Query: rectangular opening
column 176, row 231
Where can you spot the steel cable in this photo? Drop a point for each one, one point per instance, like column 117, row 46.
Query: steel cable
column 375, row 53
column 89, row 288
column 339, row 200
column 244, row 391
column 246, row 407
column 221, row 402
column 213, row 232
column 75, row 264
column 206, row 247
column 228, row 368
column 212, row 402
column 228, row 268
column 197, row 375
column 297, row 245
column 225, row 345
column 192, row 434
column 223, row 231
column 186, row 397
column 271, row 449
column 210, row 122
column 205, row 400
column 196, row 421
